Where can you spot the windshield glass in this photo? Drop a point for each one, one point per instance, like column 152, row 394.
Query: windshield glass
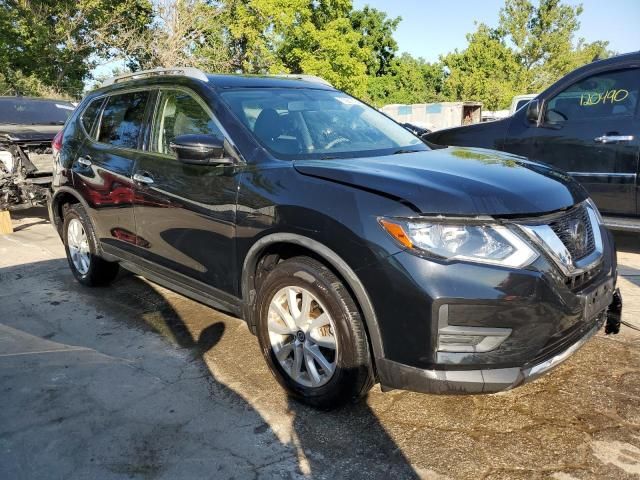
column 307, row 123
column 26, row 111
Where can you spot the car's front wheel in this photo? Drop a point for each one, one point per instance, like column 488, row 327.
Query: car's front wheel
column 81, row 246
column 312, row 334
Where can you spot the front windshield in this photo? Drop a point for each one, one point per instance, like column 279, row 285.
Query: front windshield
column 27, row 111
column 307, row 123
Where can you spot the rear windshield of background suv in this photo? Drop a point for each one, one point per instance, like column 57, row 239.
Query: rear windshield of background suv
column 24, row 111
column 308, row 123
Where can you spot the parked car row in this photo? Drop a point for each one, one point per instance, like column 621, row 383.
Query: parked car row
column 355, row 252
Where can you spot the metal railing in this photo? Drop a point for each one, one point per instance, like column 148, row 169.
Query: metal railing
column 199, row 75
column 183, row 71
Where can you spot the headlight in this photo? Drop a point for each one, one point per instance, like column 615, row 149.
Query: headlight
column 483, row 243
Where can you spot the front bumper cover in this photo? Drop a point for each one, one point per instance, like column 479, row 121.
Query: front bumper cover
column 395, row 375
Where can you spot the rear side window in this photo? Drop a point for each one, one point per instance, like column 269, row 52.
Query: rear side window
column 122, row 119
column 90, row 113
column 606, row 95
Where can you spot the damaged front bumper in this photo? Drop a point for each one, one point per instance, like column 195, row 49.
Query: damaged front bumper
column 487, row 380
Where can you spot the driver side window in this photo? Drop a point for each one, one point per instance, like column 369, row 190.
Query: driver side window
column 179, row 113
column 610, row 94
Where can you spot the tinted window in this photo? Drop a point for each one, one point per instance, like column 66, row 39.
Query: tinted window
column 89, row 115
column 308, row 123
column 122, row 119
column 26, row 111
column 179, row 114
column 611, row 94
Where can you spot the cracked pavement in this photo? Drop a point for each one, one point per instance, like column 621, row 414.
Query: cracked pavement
column 135, row 381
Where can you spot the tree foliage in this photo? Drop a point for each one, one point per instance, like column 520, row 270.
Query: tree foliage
column 407, row 80
column 55, row 43
column 376, row 35
column 532, row 47
column 543, row 39
column 50, row 46
column 487, row 70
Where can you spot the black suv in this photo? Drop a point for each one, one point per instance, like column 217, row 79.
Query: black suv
column 354, row 252
column 588, row 124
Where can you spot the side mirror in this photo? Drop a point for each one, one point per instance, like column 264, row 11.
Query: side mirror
column 533, row 111
column 200, row 150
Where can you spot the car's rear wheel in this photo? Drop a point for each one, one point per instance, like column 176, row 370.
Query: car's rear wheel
column 312, row 334
column 80, row 244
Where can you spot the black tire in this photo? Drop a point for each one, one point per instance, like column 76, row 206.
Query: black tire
column 353, row 375
column 100, row 272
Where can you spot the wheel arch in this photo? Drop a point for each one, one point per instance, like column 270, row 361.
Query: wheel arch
column 61, row 197
column 325, row 254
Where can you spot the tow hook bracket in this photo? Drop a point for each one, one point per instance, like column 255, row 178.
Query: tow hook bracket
column 614, row 314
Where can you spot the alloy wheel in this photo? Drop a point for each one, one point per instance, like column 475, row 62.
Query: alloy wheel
column 302, row 335
column 78, row 244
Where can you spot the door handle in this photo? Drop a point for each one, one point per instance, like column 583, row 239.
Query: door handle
column 613, row 138
column 143, row 178
column 86, row 161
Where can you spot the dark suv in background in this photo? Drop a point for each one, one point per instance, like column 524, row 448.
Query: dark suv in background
column 587, row 124
column 353, row 251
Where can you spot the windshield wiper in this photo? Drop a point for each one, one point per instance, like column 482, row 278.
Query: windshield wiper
column 406, row 150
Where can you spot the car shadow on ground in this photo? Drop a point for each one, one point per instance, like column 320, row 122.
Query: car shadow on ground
column 348, row 442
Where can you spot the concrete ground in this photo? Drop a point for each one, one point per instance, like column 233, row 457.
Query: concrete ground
column 134, row 381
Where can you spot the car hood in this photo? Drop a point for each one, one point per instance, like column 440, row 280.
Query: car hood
column 28, row 133
column 483, row 135
column 456, row 181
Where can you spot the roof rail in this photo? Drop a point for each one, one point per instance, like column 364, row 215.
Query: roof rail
column 301, row 76
column 183, row 71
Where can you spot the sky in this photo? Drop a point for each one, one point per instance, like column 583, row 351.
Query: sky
column 430, row 28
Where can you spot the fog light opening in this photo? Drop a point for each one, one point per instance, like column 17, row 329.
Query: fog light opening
column 463, row 339
column 451, row 340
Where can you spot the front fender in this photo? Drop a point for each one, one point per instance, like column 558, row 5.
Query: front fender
column 332, row 258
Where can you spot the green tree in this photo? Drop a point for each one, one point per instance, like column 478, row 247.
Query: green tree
column 408, row 80
column 329, row 48
column 543, row 39
column 295, row 36
column 532, row 47
column 487, row 71
column 55, row 43
column 254, row 30
column 376, row 31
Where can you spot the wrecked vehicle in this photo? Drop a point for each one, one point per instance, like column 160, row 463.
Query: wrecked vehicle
column 27, row 128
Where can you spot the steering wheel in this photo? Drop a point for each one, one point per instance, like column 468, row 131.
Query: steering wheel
column 335, row 142
column 559, row 113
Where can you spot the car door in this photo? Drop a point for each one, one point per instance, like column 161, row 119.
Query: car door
column 591, row 130
column 185, row 214
column 103, row 170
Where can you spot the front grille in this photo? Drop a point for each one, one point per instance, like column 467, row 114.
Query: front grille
column 580, row 281
column 574, row 230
